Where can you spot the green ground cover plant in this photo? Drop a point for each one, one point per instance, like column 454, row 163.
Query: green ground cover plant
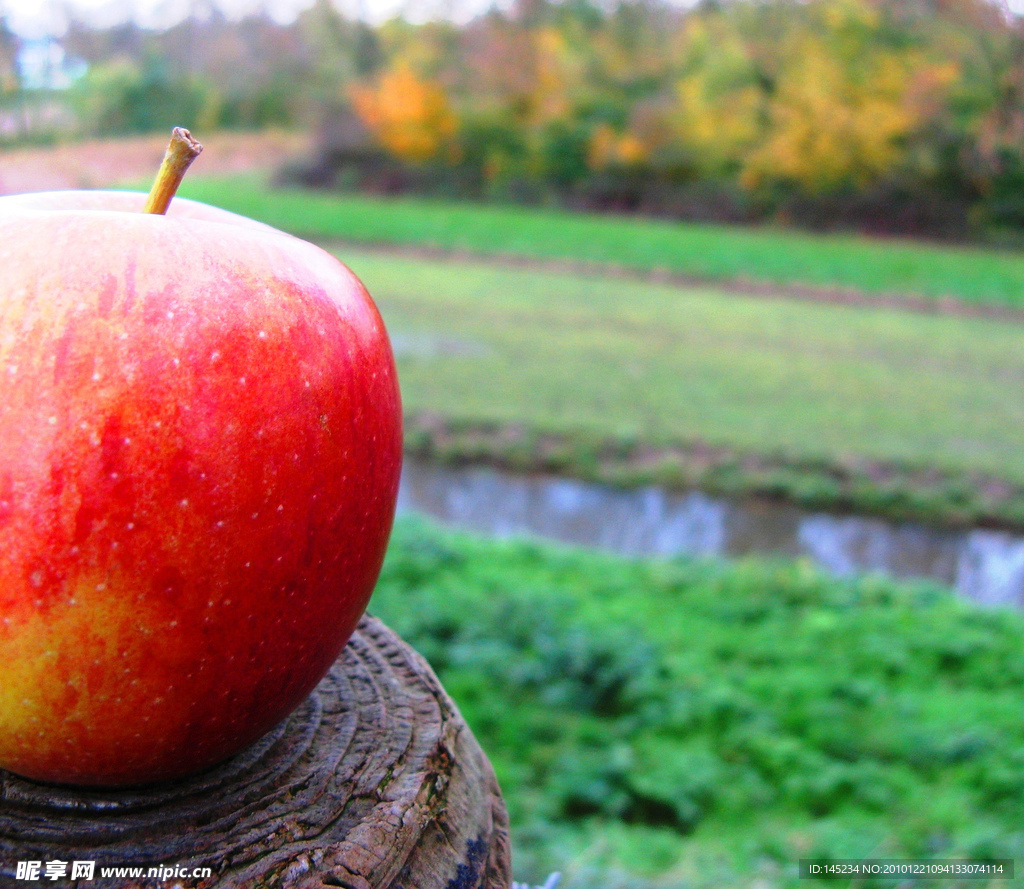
column 715, row 253
column 895, row 412
column 692, row 723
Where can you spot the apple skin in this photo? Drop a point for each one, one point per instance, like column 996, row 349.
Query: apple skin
column 200, row 448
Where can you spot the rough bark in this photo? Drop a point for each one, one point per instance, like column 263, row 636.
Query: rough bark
column 375, row 781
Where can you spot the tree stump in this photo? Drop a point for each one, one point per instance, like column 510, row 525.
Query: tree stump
column 375, row 781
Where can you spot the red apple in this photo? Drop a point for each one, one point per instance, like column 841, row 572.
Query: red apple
column 200, row 445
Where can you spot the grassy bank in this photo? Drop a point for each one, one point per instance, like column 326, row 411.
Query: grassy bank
column 898, row 413
column 892, row 491
column 713, row 253
column 695, row 724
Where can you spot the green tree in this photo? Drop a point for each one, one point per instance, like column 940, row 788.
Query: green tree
column 122, row 96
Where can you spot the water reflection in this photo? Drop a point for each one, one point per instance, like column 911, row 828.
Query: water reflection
column 984, row 565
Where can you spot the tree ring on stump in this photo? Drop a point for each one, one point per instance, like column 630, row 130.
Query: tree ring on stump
column 374, row 781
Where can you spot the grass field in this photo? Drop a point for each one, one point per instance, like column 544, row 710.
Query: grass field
column 815, row 385
column 897, row 268
column 700, row 725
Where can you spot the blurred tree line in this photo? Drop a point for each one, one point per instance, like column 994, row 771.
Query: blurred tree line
column 890, row 115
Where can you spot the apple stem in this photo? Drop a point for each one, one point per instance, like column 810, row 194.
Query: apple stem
column 181, row 151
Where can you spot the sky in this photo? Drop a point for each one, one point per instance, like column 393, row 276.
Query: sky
column 37, row 18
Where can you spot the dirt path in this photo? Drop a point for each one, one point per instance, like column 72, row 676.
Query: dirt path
column 102, row 163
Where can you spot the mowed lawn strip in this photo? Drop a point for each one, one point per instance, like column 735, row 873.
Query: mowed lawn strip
column 571, row 354
column 776, row 257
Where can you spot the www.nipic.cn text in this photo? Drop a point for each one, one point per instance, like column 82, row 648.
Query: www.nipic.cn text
column 35, row 871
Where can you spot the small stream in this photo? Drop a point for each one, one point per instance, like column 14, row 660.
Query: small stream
column 987, row 566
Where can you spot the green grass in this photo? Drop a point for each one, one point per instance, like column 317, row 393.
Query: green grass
column 705, row 251
column 811, row 384
column 697, row 724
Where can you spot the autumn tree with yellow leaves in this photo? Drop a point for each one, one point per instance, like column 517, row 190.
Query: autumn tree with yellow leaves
column 408, row 115
column 846, row 101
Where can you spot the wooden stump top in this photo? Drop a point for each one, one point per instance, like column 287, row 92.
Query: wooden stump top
column 375, row 781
